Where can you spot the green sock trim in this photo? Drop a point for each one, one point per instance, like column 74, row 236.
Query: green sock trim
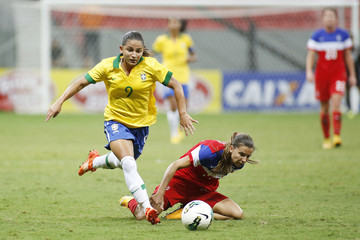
column 107, row 161
column 142, row 187
column 134, row 191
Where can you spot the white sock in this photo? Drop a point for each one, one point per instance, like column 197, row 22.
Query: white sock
column 134, row 182
column 354, row 99
column 174, row 121
column 107, row 161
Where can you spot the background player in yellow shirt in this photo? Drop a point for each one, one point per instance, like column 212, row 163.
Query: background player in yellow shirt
column 177, row 51
column 130, row 81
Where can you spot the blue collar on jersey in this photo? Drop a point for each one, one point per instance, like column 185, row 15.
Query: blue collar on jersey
column 116, row 62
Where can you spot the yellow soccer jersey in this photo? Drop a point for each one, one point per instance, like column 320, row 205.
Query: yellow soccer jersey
column 130, row 98
column 175, row 54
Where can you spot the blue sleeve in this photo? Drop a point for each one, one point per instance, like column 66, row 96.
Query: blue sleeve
column 207, row 158
column 315, row 35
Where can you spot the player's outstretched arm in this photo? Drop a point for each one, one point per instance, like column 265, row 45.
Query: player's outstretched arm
column 157, row 200
column 186, row 122
column 75, row 87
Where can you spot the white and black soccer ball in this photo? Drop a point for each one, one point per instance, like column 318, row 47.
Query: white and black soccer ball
column 197, row 215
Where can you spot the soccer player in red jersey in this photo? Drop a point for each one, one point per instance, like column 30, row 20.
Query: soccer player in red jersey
column 195, row 176
column 333, row 48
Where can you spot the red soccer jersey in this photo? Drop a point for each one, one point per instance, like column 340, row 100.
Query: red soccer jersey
column 330, row 47
column 203, row 158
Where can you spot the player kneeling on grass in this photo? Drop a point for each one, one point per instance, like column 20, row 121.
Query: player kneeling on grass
column 195, row 176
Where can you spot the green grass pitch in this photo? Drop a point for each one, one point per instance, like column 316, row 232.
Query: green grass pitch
column 298, row 191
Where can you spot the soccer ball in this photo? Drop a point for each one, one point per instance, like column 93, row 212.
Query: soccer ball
column 197, row 215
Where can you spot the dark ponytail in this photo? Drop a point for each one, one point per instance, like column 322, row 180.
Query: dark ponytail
column 183, row 26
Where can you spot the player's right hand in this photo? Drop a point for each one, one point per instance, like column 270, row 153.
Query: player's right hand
column 310, row 77
column 157, row 202
column 54, row 110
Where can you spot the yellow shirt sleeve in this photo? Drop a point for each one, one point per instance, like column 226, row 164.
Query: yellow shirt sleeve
column 158, row 45
column 161, row 73
column 189, row 41
column 98, row 73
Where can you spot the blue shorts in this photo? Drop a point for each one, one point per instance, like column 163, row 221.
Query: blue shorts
column 115, row 130
column 169, row 92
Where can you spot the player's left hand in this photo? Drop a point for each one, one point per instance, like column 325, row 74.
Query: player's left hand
column 186, row 124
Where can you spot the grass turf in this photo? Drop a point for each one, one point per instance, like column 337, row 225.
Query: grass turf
column 298, row 191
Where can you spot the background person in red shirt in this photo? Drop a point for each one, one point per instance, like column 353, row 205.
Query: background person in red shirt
column 333, row 48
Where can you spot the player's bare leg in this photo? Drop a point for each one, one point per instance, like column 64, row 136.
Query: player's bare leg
column 227, row 209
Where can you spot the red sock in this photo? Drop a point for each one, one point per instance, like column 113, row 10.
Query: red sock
column 337, row 122
column 325, row 124
column 132, row 205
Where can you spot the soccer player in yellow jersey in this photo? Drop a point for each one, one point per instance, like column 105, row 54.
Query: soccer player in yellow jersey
column 130, row 82
column 177, row 52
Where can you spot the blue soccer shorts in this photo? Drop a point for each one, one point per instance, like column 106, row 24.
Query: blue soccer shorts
column 169, row 92
column 115, row 131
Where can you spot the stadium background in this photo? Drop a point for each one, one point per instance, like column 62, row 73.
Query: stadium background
column 250, row 58
column 298, row 191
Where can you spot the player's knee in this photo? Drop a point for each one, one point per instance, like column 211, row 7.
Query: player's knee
column 238, row 214
column 128, row 164
column 173, row 108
